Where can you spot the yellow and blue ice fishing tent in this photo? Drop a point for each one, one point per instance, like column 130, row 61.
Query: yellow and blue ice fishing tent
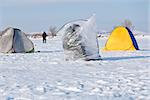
column 121, row 38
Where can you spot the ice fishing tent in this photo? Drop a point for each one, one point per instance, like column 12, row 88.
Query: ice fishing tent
column 13, row 40
column 121, row 38
column 79, row 40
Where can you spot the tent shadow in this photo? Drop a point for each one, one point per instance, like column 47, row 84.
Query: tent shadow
column 124, row 58
column 48, row 51
column 144, row 49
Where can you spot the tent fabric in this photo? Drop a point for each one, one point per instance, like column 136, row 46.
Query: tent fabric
column 6, row 42
column 79, row 40
column 133, row 39
column 121, row 38
column 14, row 40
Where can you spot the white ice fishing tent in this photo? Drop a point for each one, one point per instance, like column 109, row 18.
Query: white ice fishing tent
column 13, row 40
column 79, row 40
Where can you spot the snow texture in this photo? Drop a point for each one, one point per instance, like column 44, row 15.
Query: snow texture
column 45, row 75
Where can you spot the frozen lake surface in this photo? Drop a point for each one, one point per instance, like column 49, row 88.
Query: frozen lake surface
column 45, row 75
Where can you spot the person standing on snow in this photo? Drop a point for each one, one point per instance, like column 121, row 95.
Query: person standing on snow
column 44, row 35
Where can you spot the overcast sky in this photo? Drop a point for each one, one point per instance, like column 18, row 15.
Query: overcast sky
column 39, row 15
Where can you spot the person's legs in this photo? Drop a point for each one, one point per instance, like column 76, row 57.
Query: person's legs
column 44, row 41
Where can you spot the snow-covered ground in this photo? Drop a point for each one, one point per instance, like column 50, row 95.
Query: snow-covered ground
column 45, row 75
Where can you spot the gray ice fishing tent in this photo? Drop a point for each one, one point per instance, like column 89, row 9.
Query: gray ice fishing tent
column 13, row 40
column 79, row 40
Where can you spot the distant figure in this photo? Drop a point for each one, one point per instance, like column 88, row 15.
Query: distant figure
column 44, row 35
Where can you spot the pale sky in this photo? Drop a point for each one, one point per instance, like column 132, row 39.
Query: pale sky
column 39, row 15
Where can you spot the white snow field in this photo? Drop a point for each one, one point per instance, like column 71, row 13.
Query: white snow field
column 45, row 75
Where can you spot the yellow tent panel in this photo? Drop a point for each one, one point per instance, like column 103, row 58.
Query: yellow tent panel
column 119, row 39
